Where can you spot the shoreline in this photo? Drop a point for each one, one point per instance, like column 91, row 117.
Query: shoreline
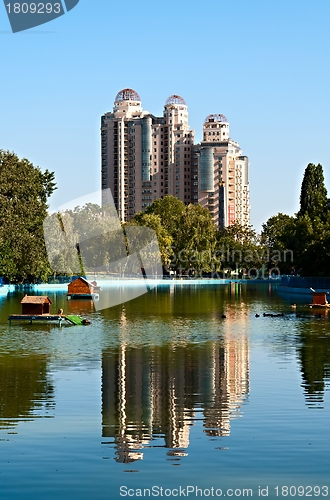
column 139, row 282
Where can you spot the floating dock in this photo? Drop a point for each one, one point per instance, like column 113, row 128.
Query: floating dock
column 37, row 308
column 71, row 319
column 76, row 320
column 35, row 317
column 83, row 296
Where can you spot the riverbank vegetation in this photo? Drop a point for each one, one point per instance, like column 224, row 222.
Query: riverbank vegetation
column 298, row 244
column 90, row 237
column 24, row 191
column 307, row 233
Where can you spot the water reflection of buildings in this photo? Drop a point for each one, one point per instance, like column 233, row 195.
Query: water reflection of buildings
column 80, row 306
column 160, row 392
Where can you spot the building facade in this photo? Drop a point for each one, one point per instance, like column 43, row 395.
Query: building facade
column 222, row 173
column 145, row 157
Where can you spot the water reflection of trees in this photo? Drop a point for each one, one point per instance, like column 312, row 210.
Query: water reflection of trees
column 160, row 392
column 24, row 388
column 168, row 301
column 314, row 354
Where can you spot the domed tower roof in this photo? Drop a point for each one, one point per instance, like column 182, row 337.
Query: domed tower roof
column 175, row 99
column 216, row 118
column 127, row 95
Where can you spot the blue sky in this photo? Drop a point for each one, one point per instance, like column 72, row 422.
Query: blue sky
column 265, row 65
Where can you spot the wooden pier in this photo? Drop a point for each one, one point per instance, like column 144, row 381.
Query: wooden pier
column 71, row 319
column 37, row 308
column 35, row 317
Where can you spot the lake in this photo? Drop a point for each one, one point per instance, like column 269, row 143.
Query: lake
column 162, row 396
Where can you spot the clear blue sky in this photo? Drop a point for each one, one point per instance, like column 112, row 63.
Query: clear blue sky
column 265, row 65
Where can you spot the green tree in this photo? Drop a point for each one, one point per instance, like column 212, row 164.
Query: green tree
column 311, row 243
column 61, row 243
column 274, row 231
column 186, row 234
column 98, row 234
column 194, row 240
column 153, row 221
column 239, row 247
column 312, row 224
column 24, row 190
column 313, row 196
column 305, row 236
column 170, row 211
column 279, row 236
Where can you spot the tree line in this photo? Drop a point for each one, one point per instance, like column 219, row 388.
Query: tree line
column 307, row 233
column 24, row 191
column 189, row 241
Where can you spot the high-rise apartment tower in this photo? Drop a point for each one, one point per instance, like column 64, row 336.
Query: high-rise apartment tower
column 145, row 157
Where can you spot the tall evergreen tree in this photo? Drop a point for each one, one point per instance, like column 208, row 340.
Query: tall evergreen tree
column 313, row 197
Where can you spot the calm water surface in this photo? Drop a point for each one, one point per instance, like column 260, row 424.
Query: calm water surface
column 163, row 392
